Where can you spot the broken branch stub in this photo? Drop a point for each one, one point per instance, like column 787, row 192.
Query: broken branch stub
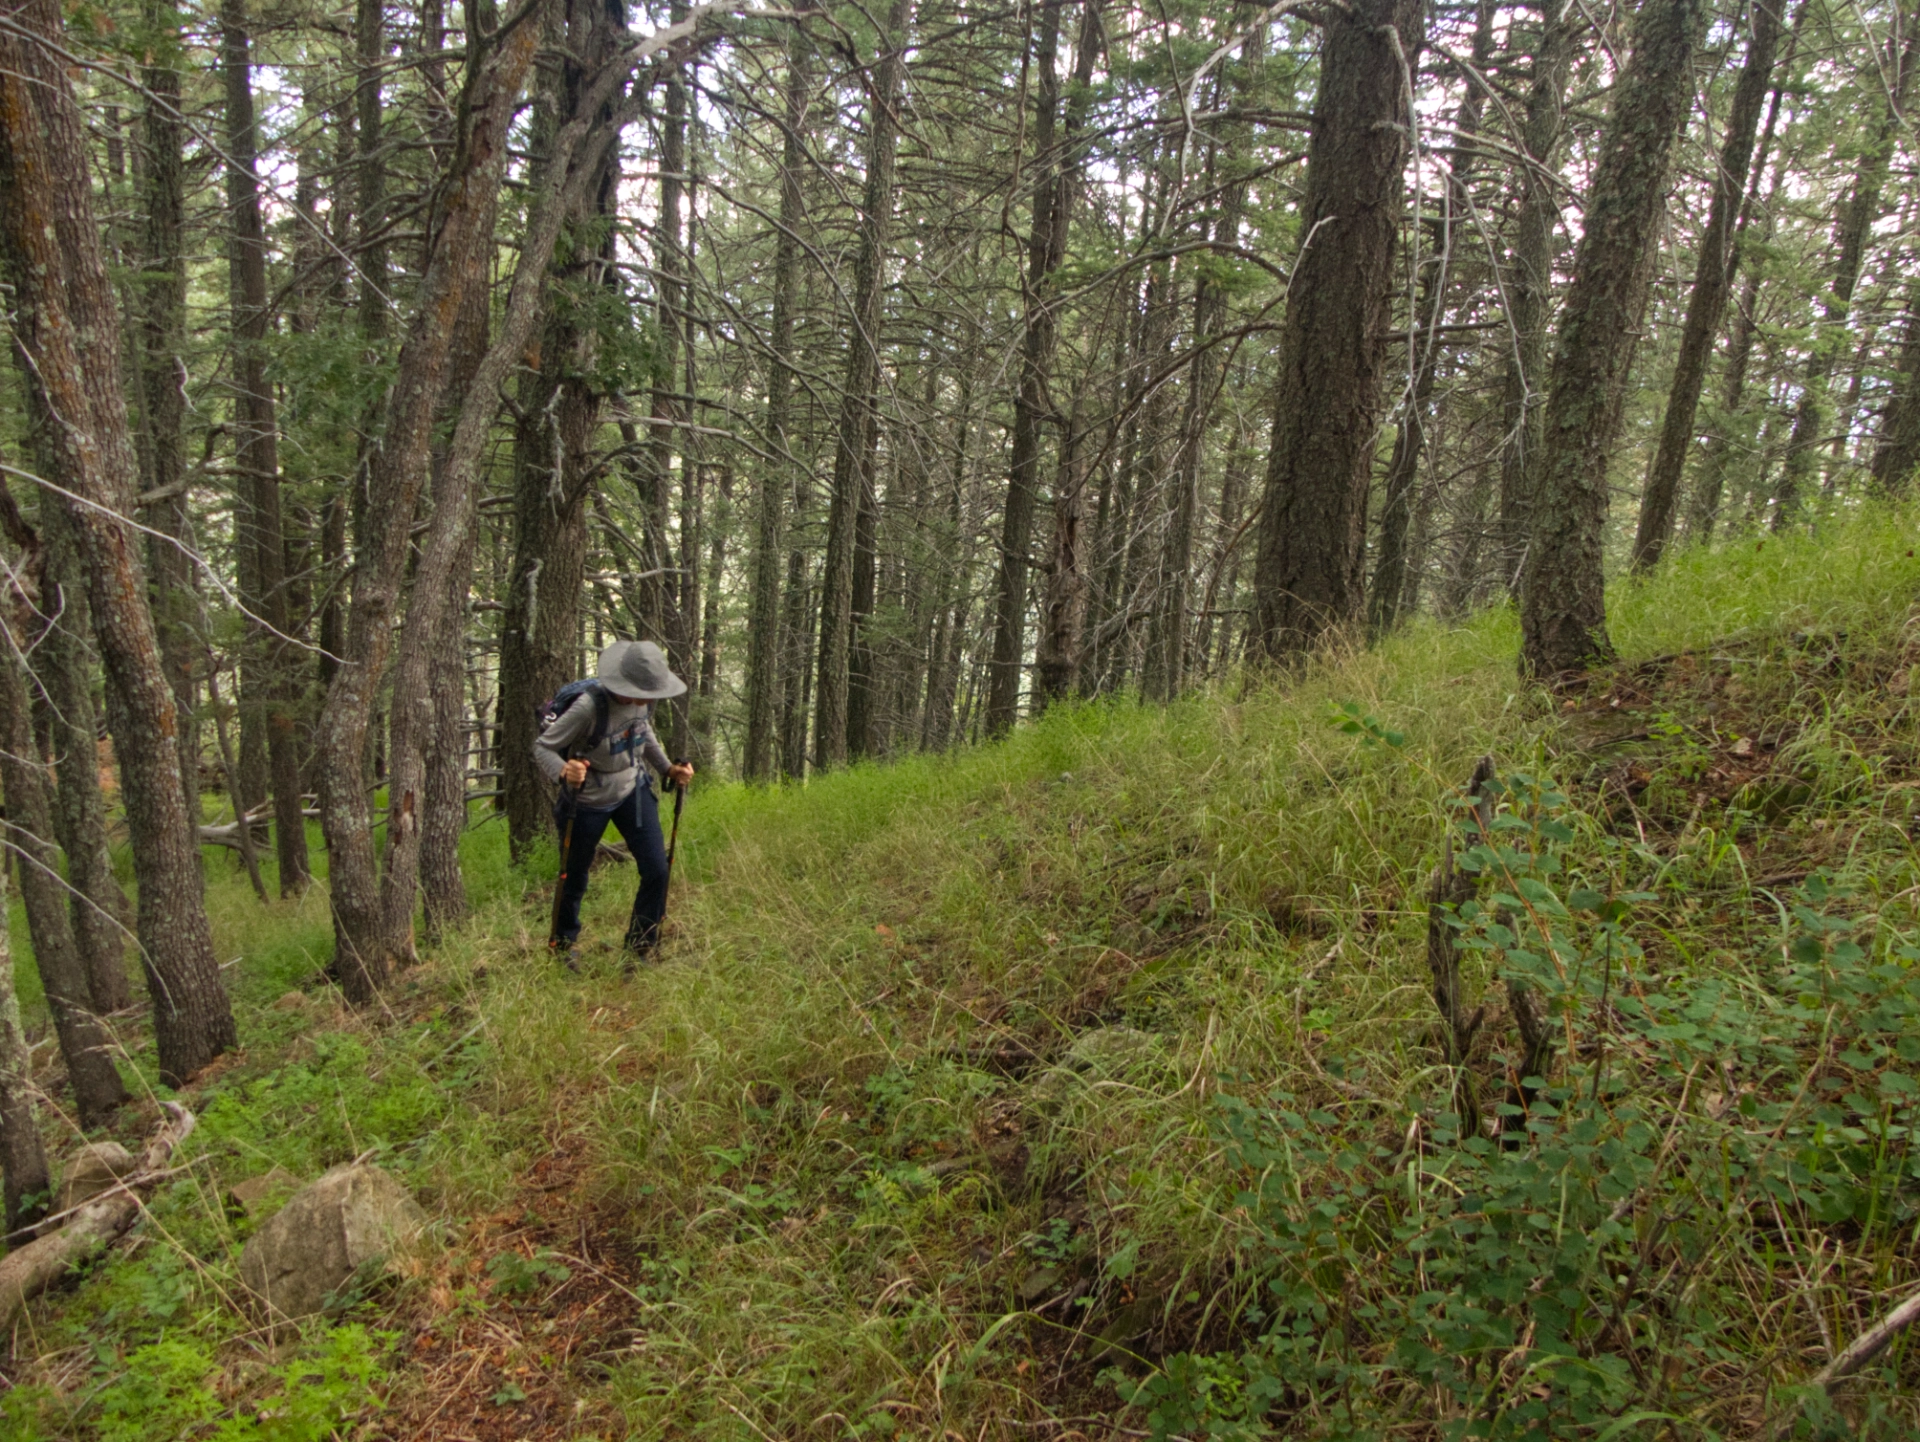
column 1448, row 889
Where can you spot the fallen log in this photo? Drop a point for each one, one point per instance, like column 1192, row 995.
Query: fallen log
column 29, row 1270
column 227, row 833
column 1857, row 1353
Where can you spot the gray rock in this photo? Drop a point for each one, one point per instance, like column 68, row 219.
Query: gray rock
column 94, row 1168
column 256, row 1194
column 331, row 1232
column 1107, row 1053
column 1114, row 1050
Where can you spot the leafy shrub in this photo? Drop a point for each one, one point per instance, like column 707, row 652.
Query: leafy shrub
column 1533, row 1284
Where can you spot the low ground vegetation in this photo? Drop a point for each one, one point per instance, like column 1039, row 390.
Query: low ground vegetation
column 1093, row 1084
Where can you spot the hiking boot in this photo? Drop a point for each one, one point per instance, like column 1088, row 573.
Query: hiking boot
column 566, row 956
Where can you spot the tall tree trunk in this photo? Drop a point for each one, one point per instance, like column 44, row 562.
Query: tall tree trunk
column 660, row 609
column 1530, row 292
column 1852, row 234
column 798, row 611
column 1046, row 248
column 370, row 166
column 256, row 457
column 1722, row 446
column 861, row 681
column 853, row 445
column 1309, row 579
column 558, row 410
column 1712, row 280
column 1223, row 571
column 443, row 818
column 577, row 167
column 764, row 633
column 718, row 525
column 86, row 1045
column 163, row 401
column 397, row 471
column 67, row 327
column 368, row 216
column 28, row 1183
column 943, row 659
column 1063, row 609
column 102, row 915
column 688, row 734
column 1392, row 571
column 426, row 779
column 1896, row 451
column 1563, row 613
column 1167, row 665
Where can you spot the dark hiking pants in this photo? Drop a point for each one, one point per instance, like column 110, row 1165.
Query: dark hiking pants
column 637, row 819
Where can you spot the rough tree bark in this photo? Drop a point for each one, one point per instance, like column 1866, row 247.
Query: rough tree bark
column 1712, row 280
column 443, row 889
column 1393, row 578
column 162, row 293
column 426, row 740
column 1309, row 580
column 269, row 656
column 67, row 328
column 102, row 915
column 1054, row 176
column 1704, row 504
column 577, row 166
column 557, row 412
column 764, row 638
column 853, row 445
column 1896, row 451
column 660, row 613
column 861, row 662
column 85, row 1043
column 397, row 470
column 23, row 1160
column 1530, row 291
column 1563, row 615
column 1852, row 234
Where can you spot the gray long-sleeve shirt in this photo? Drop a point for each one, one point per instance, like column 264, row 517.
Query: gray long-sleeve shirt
column 613, row 767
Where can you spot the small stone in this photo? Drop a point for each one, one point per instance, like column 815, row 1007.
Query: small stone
column 332, row 1232
column 291, row 1001
column 1038, row 1283
column 1743, row 747
column 257, row 1194
column 93, row 1169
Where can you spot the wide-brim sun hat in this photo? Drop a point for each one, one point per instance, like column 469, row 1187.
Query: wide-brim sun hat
column 638, row 669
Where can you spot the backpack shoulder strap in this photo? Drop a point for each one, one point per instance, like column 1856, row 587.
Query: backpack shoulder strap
column 602, row 706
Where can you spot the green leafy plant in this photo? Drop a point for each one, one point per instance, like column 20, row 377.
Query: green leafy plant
column 517, row 1276
column 1350, row 718
column 317, row 1392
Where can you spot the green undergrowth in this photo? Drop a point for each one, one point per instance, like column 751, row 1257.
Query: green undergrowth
column 1094, row 1080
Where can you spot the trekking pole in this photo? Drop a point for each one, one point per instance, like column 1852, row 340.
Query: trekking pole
column 679, row 800
column 572, row 795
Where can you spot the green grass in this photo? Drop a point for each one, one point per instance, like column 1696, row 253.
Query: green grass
column 965, row 1098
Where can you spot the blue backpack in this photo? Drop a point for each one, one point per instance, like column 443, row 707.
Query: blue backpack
column 550, row 710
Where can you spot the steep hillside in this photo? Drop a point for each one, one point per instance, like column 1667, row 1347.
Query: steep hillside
column 1093, row 1084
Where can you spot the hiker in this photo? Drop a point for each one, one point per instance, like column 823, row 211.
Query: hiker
column 594, row 747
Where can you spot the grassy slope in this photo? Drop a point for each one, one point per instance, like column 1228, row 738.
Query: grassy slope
column 846, row 1162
